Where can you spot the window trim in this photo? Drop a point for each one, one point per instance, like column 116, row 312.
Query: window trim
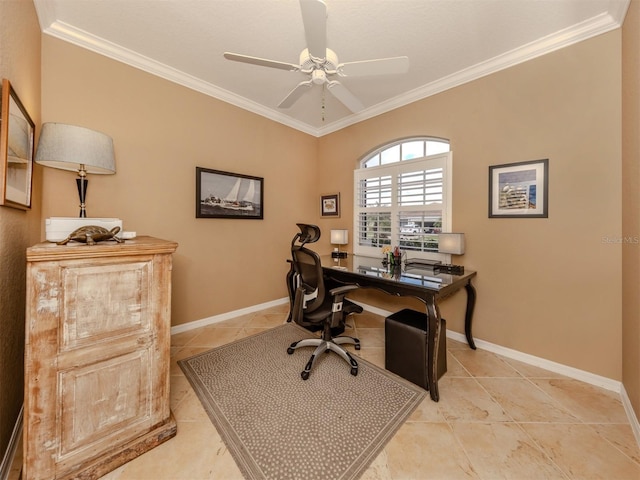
column 393, row 169
column 400, row 141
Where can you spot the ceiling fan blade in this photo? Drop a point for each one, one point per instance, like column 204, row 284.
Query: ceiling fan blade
column 347, row 98
column 263, row 62
column 381, row 66
column 295, row 94
column 314, row 17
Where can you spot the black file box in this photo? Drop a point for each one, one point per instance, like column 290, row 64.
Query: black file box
column 406, row 347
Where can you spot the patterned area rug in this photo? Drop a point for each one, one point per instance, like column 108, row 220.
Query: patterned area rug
column 278, row 426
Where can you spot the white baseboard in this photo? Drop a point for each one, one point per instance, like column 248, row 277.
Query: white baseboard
column 631, row 415
column 185, row 327
column 571, row 372
column 14, row 442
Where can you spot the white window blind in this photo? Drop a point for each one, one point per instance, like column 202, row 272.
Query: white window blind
column 405, row 203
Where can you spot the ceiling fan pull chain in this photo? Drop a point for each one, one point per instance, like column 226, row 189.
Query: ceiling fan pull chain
column 324, row 89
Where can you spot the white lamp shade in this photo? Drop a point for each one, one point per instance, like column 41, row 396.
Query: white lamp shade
column 452, row 243
column 339, row 237
column 67, row 147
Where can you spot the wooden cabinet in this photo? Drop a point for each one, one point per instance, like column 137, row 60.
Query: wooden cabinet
column 98, row 326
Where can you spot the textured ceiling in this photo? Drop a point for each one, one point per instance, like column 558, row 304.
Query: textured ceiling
column 448, row 42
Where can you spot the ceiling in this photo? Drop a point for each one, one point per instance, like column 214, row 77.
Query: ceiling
column 448, row 42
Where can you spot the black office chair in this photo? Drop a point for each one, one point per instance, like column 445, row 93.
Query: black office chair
column 314, row 306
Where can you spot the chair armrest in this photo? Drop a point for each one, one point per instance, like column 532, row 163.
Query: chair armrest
column 298, row 305
column 338, row 294
column 342, row 290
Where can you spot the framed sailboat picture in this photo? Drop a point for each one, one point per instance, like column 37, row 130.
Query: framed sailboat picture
column 228, row 195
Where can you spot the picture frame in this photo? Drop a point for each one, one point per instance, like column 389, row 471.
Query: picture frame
column 519, row 190
column 330, row 205
column 17, row 132
column 228, row 195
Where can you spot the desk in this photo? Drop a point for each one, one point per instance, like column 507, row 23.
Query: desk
column 413, row 281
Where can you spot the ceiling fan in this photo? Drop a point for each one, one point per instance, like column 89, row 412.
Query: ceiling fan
column 321, row 63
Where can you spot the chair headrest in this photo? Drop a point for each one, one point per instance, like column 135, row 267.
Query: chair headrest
column 308, row 233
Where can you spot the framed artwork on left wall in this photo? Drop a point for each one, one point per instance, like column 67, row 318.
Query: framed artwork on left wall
column 16, row 150
column 228, row 195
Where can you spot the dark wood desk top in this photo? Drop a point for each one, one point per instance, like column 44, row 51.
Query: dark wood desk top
column 373, row 272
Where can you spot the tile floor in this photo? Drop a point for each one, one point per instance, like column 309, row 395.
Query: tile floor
column 497, row 418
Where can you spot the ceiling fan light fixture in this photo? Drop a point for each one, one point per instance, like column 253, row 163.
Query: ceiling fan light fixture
column 318, row 76
column 308, row 63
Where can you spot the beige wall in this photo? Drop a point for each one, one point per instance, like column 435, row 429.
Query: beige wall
column 547, row 287
column 631, row 205
column 161, row 132
column 20, row 64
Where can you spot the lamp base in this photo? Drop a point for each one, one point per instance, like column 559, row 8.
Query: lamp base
column 82, row 184
column 339, row 254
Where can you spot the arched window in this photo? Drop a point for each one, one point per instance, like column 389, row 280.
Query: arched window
column 403, row 197
column 405, row 149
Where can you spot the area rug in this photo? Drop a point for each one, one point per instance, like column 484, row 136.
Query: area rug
column 278, row 426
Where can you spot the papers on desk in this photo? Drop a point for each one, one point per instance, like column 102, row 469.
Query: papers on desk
column 338, row 267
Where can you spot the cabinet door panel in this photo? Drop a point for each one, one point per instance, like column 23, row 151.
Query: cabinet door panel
column 103, row 301
column 102, row 399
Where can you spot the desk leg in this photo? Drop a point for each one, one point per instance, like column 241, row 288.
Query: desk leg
column 471, row 303
column 433, row 333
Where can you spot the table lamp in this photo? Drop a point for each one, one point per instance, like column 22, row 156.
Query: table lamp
column 339, row 237
column 73, row 148
column 452, row 243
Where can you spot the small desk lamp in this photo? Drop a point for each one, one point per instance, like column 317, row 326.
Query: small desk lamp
column 68, row 147
column 339, row 237
column 452, row 243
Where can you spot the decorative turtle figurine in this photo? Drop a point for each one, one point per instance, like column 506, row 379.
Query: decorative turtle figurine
column 91, row 234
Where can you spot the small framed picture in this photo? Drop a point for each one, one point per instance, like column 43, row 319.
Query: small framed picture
column 330, row 205
column 518, row 190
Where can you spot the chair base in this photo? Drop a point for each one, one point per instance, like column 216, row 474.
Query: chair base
column 323, row 345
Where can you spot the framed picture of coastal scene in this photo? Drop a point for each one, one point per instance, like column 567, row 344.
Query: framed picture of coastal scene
column 228, row 195
column 519, row 190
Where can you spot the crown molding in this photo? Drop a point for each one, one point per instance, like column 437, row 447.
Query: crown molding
column 45, row 10
column 597, row 25
column 83, row 39
column 577, row 33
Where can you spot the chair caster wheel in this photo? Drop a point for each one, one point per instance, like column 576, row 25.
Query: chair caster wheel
column 290, row 350
column 354, row 371
column 304, row 375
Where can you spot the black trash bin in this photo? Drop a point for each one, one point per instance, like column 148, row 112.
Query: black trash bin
column 405, row 338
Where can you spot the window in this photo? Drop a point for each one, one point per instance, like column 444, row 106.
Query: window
column 403, row 197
